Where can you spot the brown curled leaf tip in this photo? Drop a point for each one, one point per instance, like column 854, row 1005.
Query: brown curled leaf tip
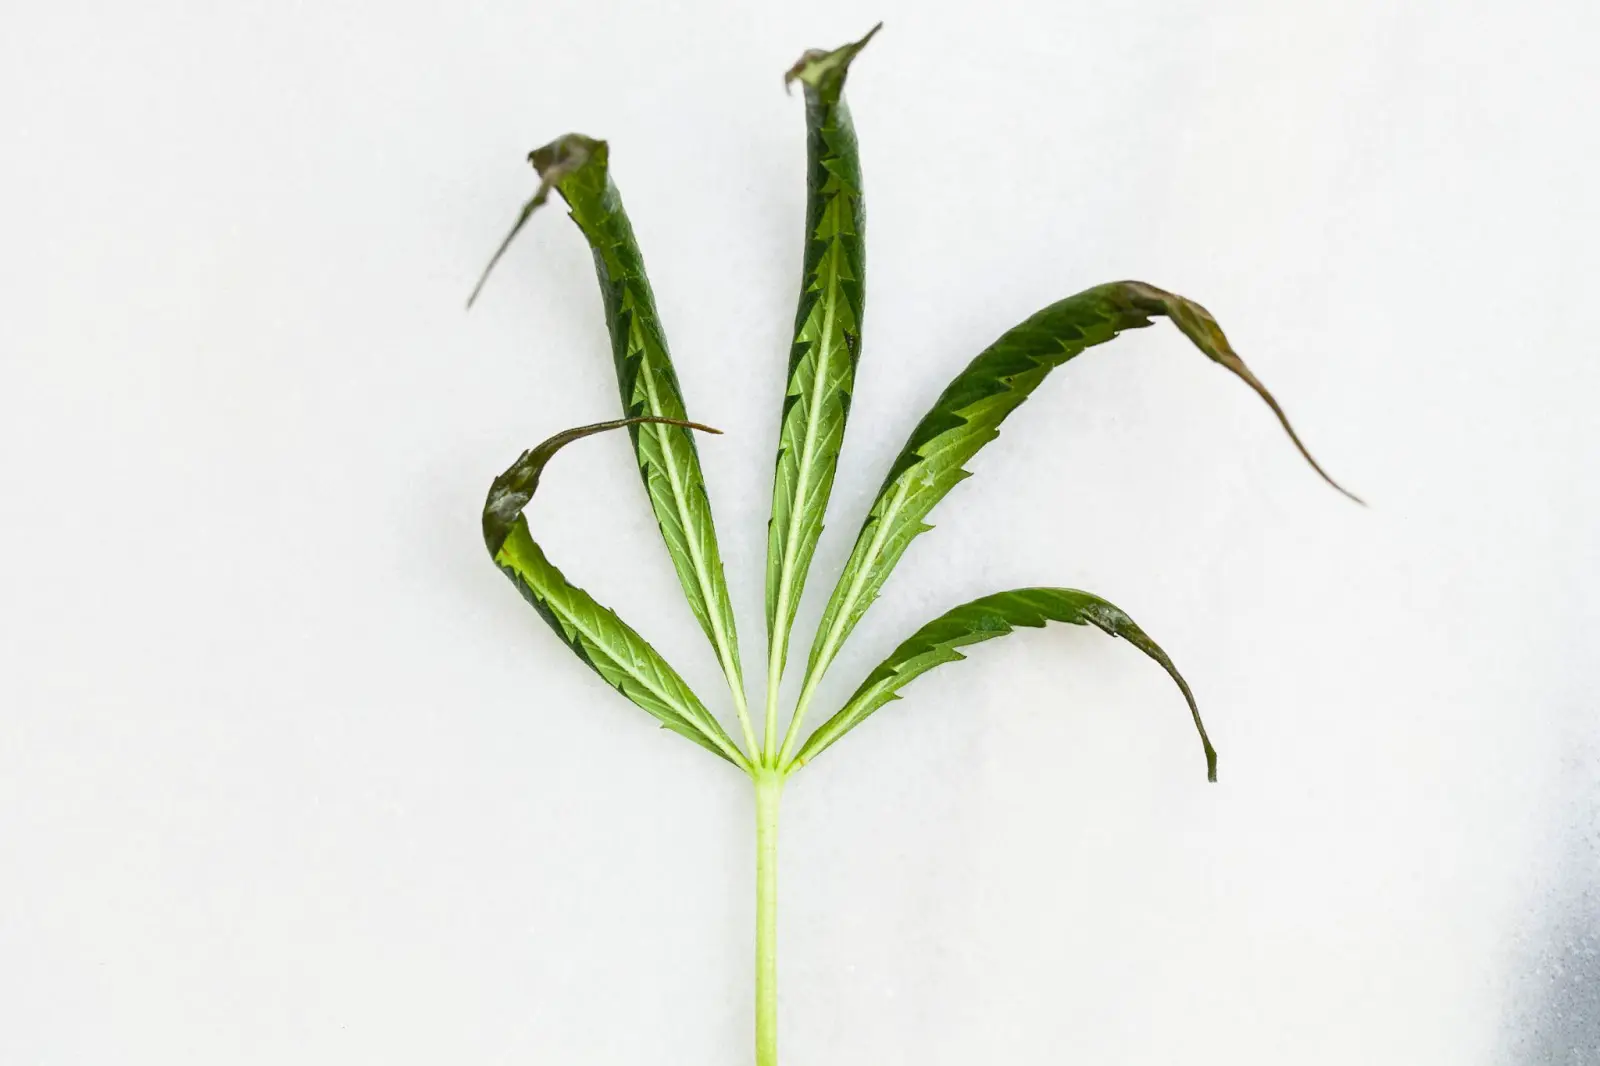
column 1236, row 365
column 1202, row 329
column 822, row 69
column 511, row 491
column 566, row 155
column 554, row 162
column 528, row 209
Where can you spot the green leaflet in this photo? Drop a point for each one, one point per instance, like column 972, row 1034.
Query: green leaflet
column 596, row 635
column 967, row 416
column 577, row 167
column 827, row 345
column 983, row 619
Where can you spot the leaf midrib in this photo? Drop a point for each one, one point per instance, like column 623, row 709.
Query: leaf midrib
column 719, row 637
column 786, row 573
column 596, row 640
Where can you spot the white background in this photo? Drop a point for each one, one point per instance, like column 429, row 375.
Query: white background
column 289, row 774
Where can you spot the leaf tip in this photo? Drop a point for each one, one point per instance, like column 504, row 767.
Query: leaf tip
column 555, row 162
column 513, row 490
column 1233, row 363
column 528, row 209
column 1203, row 331
column 566, row 155
column 823, row 69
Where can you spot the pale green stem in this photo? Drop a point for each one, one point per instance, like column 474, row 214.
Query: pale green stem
column 769, row 788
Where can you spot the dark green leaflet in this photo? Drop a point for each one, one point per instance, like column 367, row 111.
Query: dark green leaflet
column 577, row 167
column 827, row 344
column 596, row 635
column 983, row 619
column 968, row 414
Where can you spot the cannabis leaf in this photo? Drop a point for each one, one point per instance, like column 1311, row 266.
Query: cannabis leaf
column 818, row 388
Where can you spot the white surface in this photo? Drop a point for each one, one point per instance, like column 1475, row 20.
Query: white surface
column 289, row 774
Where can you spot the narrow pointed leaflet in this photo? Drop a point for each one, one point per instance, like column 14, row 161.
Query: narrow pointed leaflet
column 822, row 360
column 968, row 414
column 578, row 168
column 984, row 619
column 611, row 647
